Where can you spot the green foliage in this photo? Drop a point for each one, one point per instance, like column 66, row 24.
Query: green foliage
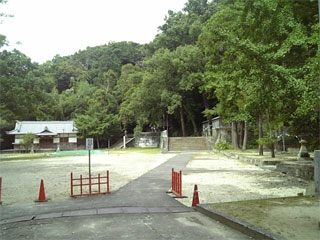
column 3, row 41
column 266, row 141
column 100, row 119
column 257, row 61
column 167, row 84
column 249, row 58
column 183, row 27
column 223, row 146
column 25, row 91
column 27, row 140
column 108, row 57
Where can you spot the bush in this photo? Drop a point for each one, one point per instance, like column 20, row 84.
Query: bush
column 222, row 146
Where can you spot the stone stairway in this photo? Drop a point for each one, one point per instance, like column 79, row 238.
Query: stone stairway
column 187, row 143
column 119, row 143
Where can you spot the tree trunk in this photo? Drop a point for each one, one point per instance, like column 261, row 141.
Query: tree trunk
column 183, row 127
column 193, row 122
column 206, row 103
column 195, row 130
column 245, row 136
column 234, row 135
column 260, row 134
column 240, row 124
column 163, row 121
column 272, row 151
column 32, row 148
column 98, row 143
column 283, row 140
column 167, row 122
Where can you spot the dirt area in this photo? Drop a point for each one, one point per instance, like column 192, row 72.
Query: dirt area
column 21, row 178
column 292, row 218
column 221, row 179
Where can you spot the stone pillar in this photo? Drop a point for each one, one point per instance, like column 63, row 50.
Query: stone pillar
column 317, row 172
column 124, row 141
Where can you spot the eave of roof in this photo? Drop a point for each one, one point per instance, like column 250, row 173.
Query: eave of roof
column 46, row 134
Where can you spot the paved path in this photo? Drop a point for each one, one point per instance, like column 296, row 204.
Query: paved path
column 142, row 210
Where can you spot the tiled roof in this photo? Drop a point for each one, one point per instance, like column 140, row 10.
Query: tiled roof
column 43, row 127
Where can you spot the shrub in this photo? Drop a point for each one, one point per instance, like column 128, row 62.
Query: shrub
column 223, row 146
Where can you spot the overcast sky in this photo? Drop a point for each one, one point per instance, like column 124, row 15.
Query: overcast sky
column 46, row 28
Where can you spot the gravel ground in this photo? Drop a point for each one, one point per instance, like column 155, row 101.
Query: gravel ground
column 21, row 178
column 220, row 179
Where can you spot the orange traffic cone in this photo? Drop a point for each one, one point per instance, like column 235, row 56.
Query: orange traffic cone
column 42, row 195
column 195, row 199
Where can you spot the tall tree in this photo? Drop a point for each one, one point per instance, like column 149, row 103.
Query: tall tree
column 255, row 57
column 100, row 119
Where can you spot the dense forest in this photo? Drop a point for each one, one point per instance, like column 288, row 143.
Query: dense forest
column 256, row 64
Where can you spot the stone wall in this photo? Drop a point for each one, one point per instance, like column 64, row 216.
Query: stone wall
column 147, row 140
column 187, row 143
column 216, row 131
column 300, row 169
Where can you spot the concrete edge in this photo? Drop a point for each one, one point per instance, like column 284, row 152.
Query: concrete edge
column 240, row 225
column 257, row 162
column 261, row 163
column 250, row 160
column 97, row 212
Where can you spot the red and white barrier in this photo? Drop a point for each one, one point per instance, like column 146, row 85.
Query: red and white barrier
column 176, row 183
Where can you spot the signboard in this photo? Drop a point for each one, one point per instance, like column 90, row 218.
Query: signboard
column 89, row 143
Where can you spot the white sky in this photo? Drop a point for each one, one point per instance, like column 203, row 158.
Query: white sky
column 46, row 28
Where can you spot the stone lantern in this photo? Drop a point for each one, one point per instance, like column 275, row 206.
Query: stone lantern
column 303, row 152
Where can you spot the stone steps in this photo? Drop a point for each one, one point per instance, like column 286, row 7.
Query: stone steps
column 187, row 143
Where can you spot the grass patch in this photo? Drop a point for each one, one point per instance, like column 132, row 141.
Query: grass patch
column 259, row 208
column 23, row 156
column 290, row 217
column 135, row 150
column 32, row 156
column 76, row 153
column 240, row 151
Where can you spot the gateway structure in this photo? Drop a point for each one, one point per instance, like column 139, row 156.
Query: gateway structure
column 57, row 135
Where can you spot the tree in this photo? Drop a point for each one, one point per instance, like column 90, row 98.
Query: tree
column 183, row 27
column 100, row 119
column 131, row 76
column 27, row 141
column 255, row 57
column 14, row 90
column 169, row 87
